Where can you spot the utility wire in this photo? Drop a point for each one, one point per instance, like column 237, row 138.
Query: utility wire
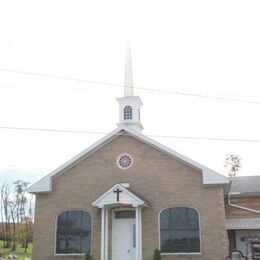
column 60, row 77
column 46, row 89
column 120, row 85
column 149, row 135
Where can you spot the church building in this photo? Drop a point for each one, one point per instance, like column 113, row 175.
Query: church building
column 128, row 195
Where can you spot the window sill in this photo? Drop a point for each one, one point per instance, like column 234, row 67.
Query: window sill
column 70, row 254
column 180, row 254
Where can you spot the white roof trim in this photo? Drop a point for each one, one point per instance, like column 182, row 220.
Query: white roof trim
column 135, row 201
column 210, row 177
column 45, row 184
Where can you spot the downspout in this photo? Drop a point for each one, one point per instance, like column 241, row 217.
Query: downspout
column 237, row 206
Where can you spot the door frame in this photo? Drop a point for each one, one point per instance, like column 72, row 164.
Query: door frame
column 114, row 219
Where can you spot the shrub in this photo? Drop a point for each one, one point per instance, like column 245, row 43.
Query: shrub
column 88, row 256
column 157, row 254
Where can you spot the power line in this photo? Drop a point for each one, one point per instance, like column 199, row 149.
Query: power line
column 60, row 77
column 46, row 89
column 120, row 85
column 238, row 96
column 51, row 130
column 149, row 135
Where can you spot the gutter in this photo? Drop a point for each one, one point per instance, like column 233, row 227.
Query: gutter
column 238, row 206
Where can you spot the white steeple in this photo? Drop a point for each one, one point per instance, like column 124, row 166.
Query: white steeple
column 129, row 105
column 128, row 89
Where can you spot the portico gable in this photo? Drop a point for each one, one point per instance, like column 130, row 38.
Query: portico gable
column 120, row 197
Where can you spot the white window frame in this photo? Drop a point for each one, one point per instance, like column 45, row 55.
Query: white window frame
column 55, row 236
column 159, row 231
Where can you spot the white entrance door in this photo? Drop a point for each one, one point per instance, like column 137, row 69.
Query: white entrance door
column 123, row 236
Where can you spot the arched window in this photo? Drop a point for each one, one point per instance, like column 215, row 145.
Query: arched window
column 73, row 232
column 179, row 230
column 128, row 113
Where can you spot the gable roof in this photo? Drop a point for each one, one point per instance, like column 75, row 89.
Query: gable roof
column 210, row 177
column 126, row 197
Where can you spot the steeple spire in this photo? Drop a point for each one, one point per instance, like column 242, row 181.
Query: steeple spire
column 128, row 88
column 129, row 105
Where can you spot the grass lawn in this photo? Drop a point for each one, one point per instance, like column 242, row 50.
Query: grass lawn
column 19, row 251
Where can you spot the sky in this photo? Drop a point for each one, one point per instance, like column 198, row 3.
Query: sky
column 195, row 66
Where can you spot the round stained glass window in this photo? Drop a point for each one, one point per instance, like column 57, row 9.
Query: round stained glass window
column 124, row 161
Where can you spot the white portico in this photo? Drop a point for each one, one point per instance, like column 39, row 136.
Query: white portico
column 126, row 209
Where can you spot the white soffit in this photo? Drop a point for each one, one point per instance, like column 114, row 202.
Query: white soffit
column 210, row 177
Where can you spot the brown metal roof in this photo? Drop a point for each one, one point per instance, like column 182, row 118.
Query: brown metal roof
column 243, row 223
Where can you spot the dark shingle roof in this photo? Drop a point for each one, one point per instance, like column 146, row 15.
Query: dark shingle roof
column 246, row 185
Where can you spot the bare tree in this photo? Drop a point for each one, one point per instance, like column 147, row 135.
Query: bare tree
column 17, row 208
column 25, row 230
column 2, row 214
column 234, row 163
column 16, row 215
column 20, row 198
column 13, row 213
column 5, row 197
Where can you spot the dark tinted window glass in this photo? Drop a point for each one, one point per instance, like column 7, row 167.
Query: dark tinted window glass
column 125, row 214
column 165, row 219
column 127, row 112
column 179, row 230
column 166, row 241
column 180, row 241
column 193, row 219
column 73, row 232
column 179, row 218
